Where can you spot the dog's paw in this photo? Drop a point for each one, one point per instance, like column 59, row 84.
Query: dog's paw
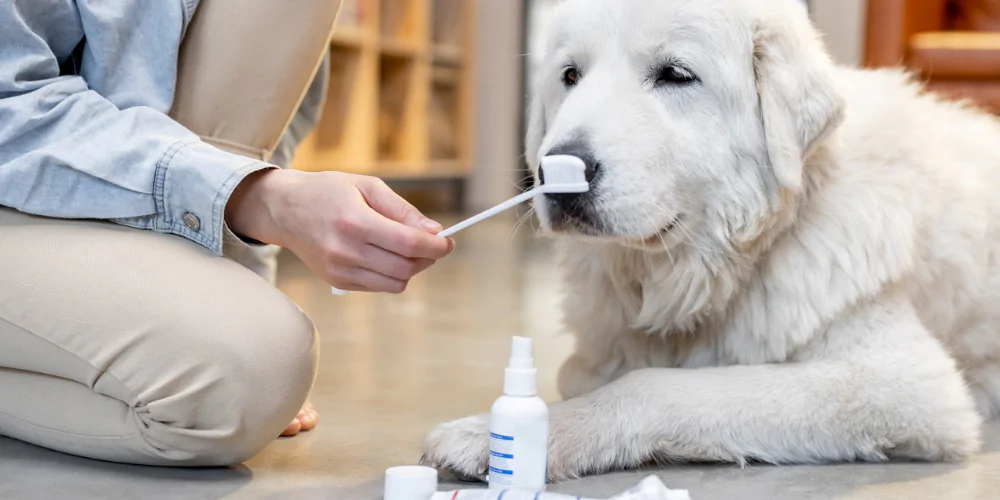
column 461, row 447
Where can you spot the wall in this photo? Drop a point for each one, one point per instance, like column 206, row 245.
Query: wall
column 499, row 101
column 843, row 25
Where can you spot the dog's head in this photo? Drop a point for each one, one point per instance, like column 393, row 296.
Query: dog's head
column 694, row 117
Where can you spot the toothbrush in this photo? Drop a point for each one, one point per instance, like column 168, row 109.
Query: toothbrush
column 563, row 174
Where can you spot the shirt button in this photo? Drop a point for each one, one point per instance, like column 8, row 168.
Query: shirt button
column 192, row 221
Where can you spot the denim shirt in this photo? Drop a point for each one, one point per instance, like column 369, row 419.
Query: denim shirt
column 85, row 88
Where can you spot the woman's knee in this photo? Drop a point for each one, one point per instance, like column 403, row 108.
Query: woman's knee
column 246, row 381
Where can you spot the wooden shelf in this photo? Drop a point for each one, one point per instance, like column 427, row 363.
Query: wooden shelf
column 399, row 48
column 399, row 105
column 351, row 37
column 442, row 169
column 451, row 55
column 450, row 22
column 446, row 76
column 403, row 19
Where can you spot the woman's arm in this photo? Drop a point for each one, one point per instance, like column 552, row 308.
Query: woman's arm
column 99, row 144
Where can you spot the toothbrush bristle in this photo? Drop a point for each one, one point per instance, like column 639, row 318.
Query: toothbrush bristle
column 564, row 174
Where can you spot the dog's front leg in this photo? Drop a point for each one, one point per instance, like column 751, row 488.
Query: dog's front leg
column 890, row 392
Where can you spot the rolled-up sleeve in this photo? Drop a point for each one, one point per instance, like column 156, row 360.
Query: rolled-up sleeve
column 98, row 144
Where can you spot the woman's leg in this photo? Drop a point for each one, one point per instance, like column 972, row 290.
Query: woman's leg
column 136, row 347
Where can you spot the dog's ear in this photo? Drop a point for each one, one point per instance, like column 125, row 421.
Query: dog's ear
column 800, row 103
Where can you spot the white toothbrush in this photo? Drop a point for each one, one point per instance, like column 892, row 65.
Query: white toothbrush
column 562, row 174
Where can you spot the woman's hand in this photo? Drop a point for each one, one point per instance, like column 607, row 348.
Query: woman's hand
column 352, row 231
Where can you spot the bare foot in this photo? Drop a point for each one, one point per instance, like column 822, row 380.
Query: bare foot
column 304, row 421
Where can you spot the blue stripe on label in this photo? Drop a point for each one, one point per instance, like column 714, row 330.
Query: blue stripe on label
column 502, row 493
column 502, row 471
column 501, row 455
column 502, row 438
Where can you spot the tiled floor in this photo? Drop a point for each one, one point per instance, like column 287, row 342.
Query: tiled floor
column 393, row 367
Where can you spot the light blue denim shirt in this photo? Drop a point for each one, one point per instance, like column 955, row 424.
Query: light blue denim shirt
column 85, row 88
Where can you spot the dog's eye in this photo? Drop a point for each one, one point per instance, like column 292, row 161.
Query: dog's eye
column 673, row 75
column 571, row 76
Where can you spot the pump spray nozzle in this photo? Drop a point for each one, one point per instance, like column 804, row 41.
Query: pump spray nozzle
column 520, row 377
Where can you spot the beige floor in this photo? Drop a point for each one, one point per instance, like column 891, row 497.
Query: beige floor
column 393, row 367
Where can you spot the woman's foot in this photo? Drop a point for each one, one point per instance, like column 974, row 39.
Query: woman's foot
column 304, row 421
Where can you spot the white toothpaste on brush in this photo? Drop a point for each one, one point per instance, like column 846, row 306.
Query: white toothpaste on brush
column 650, row 488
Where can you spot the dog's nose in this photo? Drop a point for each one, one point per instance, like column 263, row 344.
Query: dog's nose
column 575, row 206
column 581, row 151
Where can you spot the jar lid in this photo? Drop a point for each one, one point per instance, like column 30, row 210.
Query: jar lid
column 410, row 482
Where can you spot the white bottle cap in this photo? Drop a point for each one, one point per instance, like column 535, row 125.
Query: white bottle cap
column 410, row 482
column 520, row 377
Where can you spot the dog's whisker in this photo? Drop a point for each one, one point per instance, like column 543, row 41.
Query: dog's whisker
column 666, row 248
column 649, row 260
column 691, row 240
column 520, row 222
column 688, row 239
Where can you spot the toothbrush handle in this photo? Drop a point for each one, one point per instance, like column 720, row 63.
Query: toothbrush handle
column 517, row 200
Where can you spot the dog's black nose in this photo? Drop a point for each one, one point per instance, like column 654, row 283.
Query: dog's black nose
column 580, row 150
column 575, row 206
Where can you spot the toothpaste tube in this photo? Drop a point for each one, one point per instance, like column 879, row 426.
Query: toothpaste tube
column 650, row 488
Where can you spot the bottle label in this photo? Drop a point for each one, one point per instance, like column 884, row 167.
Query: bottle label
column 501, row 459
column 518, row 453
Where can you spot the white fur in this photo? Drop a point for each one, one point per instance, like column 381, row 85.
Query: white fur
column 832, row 290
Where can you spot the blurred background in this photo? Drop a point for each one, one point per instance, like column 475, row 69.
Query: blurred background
column 429, row 94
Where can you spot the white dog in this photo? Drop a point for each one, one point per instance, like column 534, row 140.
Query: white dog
column 779, row 260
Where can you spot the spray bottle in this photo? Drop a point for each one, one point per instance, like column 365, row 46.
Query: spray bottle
column 519, row 427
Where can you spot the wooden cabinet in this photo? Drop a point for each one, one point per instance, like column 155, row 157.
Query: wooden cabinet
column 400, row 101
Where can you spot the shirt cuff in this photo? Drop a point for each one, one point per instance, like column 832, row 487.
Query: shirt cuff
column 192, row 184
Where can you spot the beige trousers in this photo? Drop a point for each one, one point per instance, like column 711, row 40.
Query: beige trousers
column 137, row 347
column 130, row 346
